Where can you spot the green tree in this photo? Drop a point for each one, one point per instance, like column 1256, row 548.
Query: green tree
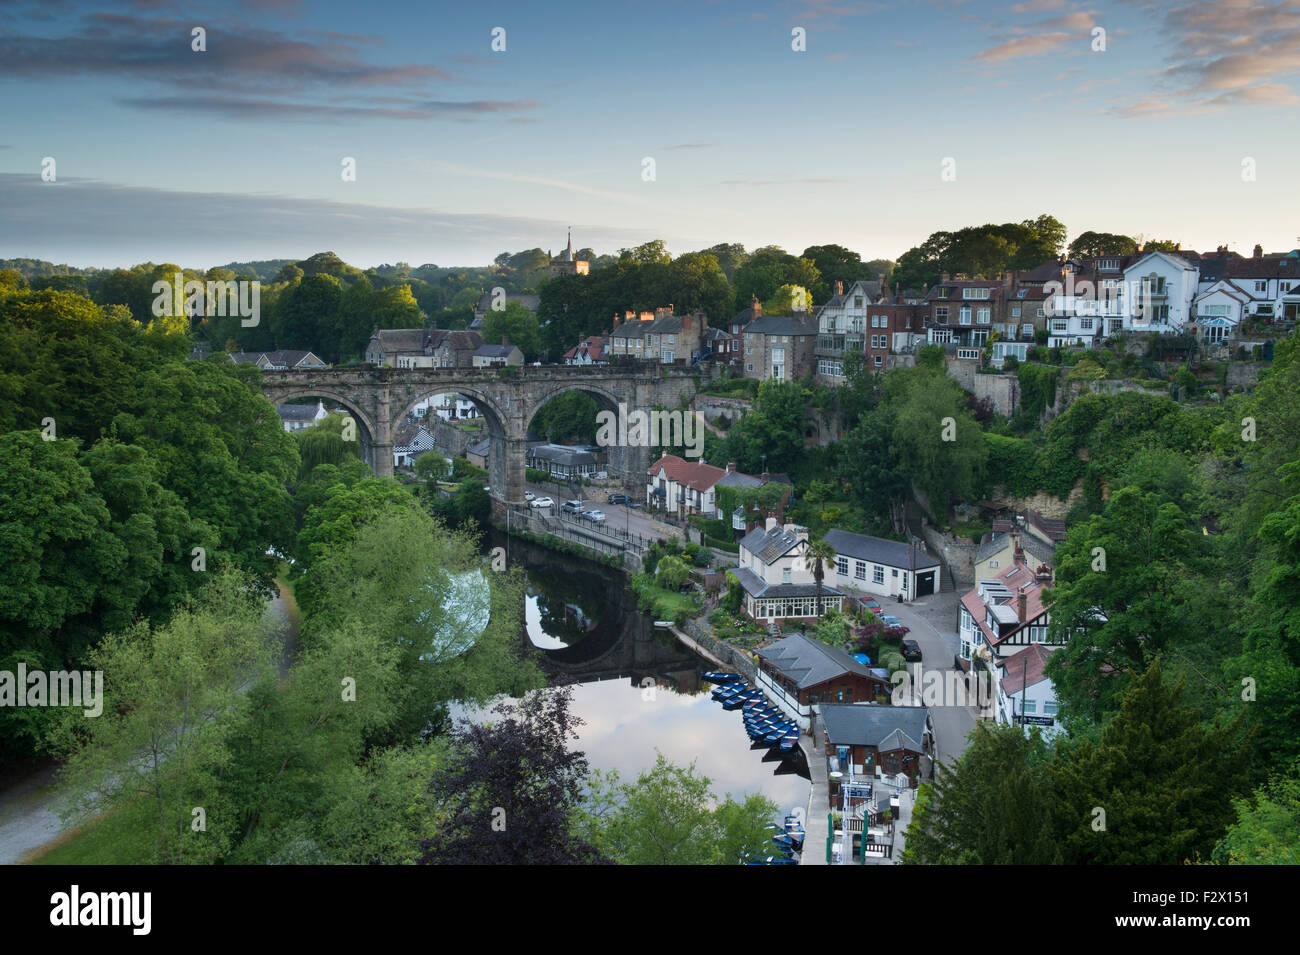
column 1267, row 830
column 672, row 573
column 517, row 323
column 817, row 558
column 172, row 700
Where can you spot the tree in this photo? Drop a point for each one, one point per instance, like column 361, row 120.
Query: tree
column 1090, row 244
column 513, row 789
column 938, row 442
column 1267, row 830
column 835, row 263
column 817, row 558
column 1152, row 773
column 993, row 807
column 1127, row 591
column 672, row 573
column 173, row 698
column 667, row 818
column 517, row 323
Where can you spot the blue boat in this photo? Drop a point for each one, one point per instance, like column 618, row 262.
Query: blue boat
column 769, row 720
column 789, row 744
column 759, row 715
column 717, row 676
column 729, row 690
column 776, row 735
column 737, row 701
column 787, row 842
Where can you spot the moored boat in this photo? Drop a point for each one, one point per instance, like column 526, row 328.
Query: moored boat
column 719, row 677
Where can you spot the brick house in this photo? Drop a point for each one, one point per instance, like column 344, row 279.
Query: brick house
column 799, row 672
column 878, row 740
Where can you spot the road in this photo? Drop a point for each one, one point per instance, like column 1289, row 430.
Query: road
column 617, row 516
column 933, row 623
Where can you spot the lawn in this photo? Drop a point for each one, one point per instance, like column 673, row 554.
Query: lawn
column 92, row 844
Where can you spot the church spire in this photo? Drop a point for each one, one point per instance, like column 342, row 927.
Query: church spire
column 568, row 252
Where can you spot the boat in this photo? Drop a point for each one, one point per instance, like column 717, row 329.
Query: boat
column 776, row 735
column 789, row 743
column 738, row 700
column 663, row 624
column 729, row 690
column 719, row 677
column 786, row 842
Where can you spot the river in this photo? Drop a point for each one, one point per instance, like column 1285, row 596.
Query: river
column 638, row 690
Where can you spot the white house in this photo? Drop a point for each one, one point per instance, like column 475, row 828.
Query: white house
column 1026, row 697
column 1218, row 310
column 682, row 487
column 298, row 417
column 775, row 576
column 882, row 567
column 1158, row 291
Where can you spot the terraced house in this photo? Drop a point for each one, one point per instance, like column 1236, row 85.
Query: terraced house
column 659, row 336
column 1004, row 614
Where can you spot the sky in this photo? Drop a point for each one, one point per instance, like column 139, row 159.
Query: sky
column 695, row 122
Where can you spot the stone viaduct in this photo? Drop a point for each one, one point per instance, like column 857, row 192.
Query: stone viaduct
column 508, row 397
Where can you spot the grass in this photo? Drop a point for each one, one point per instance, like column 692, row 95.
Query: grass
column 94, row 843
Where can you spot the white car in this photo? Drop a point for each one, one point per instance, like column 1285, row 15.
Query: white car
column 529, row 495
column 541, row 502
column 596, row 517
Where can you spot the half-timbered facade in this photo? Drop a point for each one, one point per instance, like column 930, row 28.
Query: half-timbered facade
column 1005, row 613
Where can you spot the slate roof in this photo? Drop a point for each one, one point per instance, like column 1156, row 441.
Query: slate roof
column 481, row 449
column 756, row 586
column 780, row 325
column 808, row 662
column 877, row 550
column 393, row 340
column 853, row 724
column 771, row 545
column 562, row 454
column 736, row 479
column 291, row 357
column 297, row 412
column 495, row 351
column 454, row 338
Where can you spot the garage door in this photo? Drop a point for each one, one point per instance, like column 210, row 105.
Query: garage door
column 925, row 584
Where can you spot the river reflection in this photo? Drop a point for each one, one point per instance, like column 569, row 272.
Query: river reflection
column 637, row 690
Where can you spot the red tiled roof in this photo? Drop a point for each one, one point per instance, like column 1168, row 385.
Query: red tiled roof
column 695, row 475
column 1013, row 578
column 1024, row 668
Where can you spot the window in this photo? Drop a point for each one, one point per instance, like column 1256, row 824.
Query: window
column 877, row 574
column 965, row 315
column 975, row 293
column 1040, row 311
column 1261, row 286
column 879, row 361
column 749, row 368
column 941, row 314
column 968, row 353
column 860, row 570
column 993, row 564
column 875, row 321
column 785, row 576
column 1085, row 324
column 1027, row 329
column 983, row 316
column 1059, row 324
column 1031, row 707
column 1015, row 311
column 1051, row 708
column 895, row 573
column 857, row 301
column 842, row 566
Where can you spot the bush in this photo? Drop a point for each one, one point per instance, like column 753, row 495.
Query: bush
column 536, row 476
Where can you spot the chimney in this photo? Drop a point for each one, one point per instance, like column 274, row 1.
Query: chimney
column 1018, row 554
column 769, row 523
column 1259, row 251
column 884, row 284
column 505, row 340
column 731, row 467
column 839, row 287
column 1008, row 279
column 1022, row 604
column 756, row 307
column 686, row 323
column 1044, row 574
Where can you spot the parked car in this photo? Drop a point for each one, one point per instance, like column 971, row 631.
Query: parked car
column 619, row 499
column 889, row 620
column 573, row 507
column 874, row 607
column 596, row 517
column 911, row 650
column 529, row 495
column 541, row 502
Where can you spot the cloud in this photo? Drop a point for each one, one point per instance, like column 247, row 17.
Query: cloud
column 246, row 108
column 1038, row 44
column 1227, row 53
column 690, row 146
column 777, row 182
column 1032, row 6
column 103, row 223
